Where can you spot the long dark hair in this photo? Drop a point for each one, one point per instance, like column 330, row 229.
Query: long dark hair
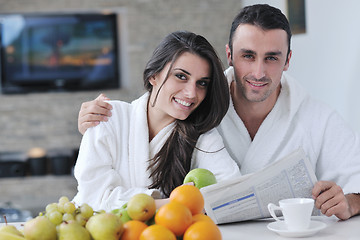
column 171, row 164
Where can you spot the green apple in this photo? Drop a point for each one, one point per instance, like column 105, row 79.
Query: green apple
column 105, row 226
column 122, row 213
column 141, row 207
column 200, row 177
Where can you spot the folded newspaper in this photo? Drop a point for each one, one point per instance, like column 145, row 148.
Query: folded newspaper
column 247, row 197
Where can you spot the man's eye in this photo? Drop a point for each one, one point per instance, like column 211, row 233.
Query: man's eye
column 271, row 58
column 248, row 56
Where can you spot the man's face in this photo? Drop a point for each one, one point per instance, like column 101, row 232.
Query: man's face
column 259, row 58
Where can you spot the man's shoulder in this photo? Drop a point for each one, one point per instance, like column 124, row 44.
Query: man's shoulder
column 297, row 92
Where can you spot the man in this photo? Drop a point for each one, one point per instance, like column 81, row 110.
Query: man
column 270, row 115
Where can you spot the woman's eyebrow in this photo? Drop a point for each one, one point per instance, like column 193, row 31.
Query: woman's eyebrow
column 189, row 73
column 183, row 71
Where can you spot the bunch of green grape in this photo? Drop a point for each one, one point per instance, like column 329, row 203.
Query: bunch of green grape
column 64, row 211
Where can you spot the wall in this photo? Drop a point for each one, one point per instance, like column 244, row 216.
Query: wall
column 325, row 60
column 49, row 120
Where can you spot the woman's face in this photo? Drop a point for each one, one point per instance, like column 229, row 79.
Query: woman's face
column 184, row 90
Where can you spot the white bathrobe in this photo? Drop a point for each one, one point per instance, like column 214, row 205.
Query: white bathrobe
column 113, row 157
column 297, row 120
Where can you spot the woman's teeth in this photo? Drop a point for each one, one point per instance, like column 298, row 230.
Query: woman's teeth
column 186, row 104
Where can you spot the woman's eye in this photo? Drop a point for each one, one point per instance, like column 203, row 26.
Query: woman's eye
column 180, row 76
column 203, row 83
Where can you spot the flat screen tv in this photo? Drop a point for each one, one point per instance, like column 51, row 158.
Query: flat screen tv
column 59, row 52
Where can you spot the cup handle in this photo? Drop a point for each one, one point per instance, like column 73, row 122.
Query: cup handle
column 272, row 208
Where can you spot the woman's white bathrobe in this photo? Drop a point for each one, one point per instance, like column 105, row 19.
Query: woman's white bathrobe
column 113, row 157
column 297, row 120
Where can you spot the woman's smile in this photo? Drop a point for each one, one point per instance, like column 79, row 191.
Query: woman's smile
column 183, row 102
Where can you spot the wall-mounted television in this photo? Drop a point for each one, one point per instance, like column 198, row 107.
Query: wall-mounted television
column 59, row 52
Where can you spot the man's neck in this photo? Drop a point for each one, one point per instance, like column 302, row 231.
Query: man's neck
column 251, row 113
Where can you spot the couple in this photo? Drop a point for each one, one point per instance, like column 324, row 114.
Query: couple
column 269, row 116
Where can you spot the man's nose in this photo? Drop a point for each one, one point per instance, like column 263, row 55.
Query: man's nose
column 259, row 70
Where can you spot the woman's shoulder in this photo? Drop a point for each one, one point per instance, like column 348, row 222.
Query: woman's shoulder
column 209, row 134
column 120, row 114
column 210, row 139
column 117, row 104
column 119, row 108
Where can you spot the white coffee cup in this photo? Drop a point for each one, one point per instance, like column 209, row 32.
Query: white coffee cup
column 296, row 212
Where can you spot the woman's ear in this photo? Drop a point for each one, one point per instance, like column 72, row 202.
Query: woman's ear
column 152, row 80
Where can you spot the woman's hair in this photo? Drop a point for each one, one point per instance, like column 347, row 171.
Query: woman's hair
column 171, row 164
column 263, row 16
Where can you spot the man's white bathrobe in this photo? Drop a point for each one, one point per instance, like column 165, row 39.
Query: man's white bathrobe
column 113, row 157
column 297, row 120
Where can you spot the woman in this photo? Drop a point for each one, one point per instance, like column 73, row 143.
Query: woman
column 151, row 144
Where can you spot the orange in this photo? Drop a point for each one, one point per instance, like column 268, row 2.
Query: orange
column 190, row 196
column 203, row 230
column 201, row 217
column 157, row 232
column 175, row 217
column 133, row 229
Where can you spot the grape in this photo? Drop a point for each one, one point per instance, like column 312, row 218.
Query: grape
column 69, row 207
column 51, row 207
column 55, row 217
column 67, row 217
column 61, row 203
column 100, row 211
column 61, row 208
column 63, row 200
column 86, row 210
column 81, row 219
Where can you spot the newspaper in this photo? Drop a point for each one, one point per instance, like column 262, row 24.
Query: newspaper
column 247, row 197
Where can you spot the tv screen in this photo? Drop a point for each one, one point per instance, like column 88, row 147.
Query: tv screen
column 58, row 52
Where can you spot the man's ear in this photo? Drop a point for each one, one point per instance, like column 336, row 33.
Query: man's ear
column 287, row 64
column 228, row 55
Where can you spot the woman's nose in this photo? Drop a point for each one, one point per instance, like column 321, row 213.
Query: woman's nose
column 190, row 90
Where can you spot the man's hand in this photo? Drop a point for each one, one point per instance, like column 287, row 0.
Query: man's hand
column 330, row 199
column 93, row 112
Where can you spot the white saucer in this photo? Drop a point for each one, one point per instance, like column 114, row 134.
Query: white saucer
column 280, row 228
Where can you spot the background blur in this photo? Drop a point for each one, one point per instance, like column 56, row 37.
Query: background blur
column 325, row 59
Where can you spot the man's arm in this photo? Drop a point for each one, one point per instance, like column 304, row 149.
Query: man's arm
column 93, row 112
column 331, row 200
